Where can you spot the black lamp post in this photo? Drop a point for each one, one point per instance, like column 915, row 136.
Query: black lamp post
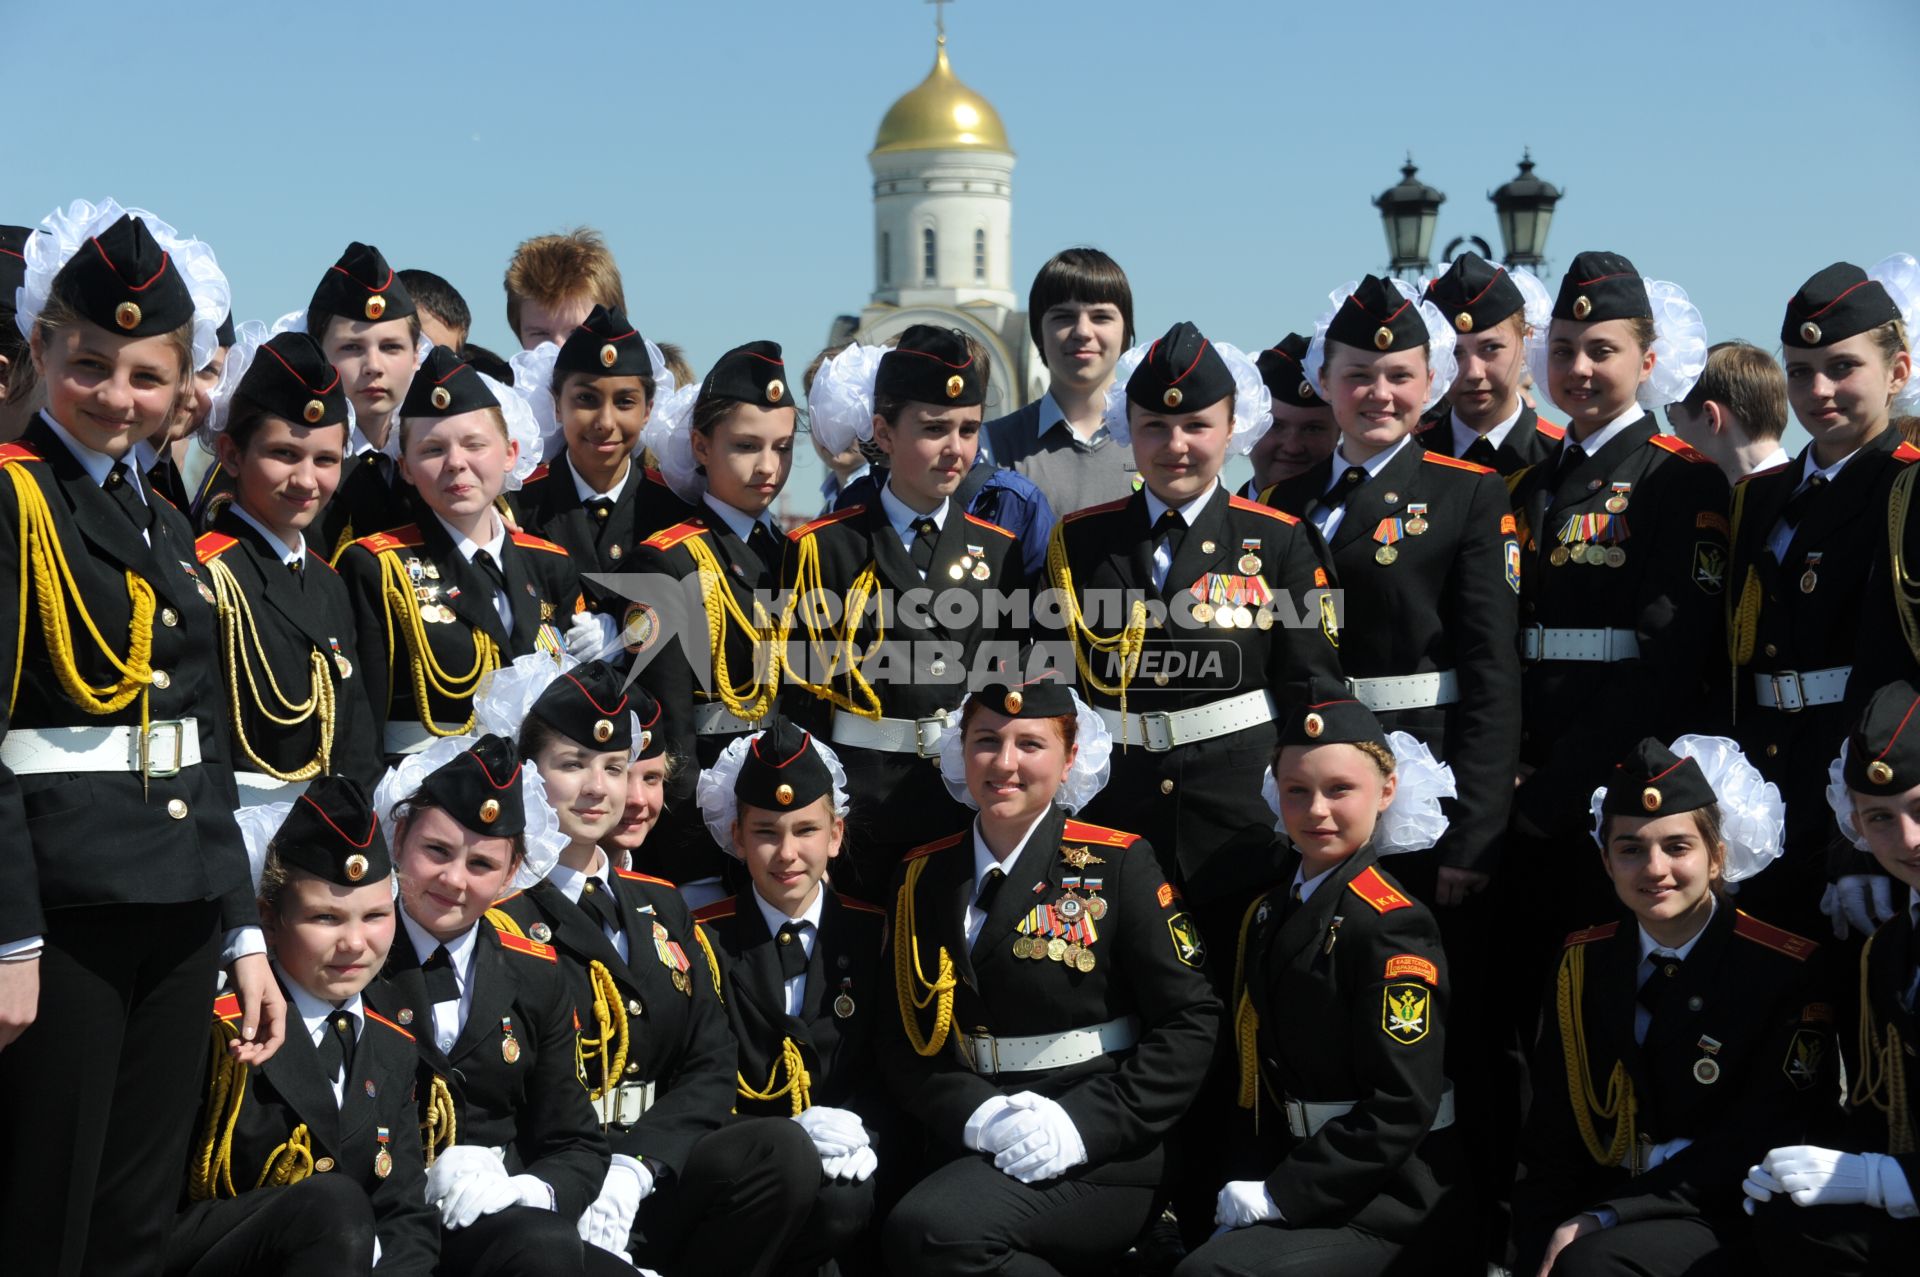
column 1525, row 209
column 1409, row 211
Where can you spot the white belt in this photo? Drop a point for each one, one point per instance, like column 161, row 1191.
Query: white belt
column 625, row 1104
column 990, row 1055
column 1305, row 1117
column 1791, row 690
column 1406, row 691
column 258, row 788
column 167, row 746
column 1561, row 643
column 919, row 736
column 1163, row 730
column 713, row 718
column 411, row 737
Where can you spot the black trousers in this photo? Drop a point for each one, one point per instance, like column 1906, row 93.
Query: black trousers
column 1833, row 1241
column 836, row 1235
column 1690, row 1247
column 524, row 1241
column 97, row 1097
column 320, row 1227
column 1268, row 1250
column 735, row 1207
column 968, row 1218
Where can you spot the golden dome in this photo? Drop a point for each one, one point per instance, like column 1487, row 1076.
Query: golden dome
column 941, row 114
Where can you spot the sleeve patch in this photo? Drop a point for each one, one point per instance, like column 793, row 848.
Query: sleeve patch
column 1187, row 945
column 1166, row 895
column 1508, row 526
column 226, row 1007
column 1806, row 1052
column 1512, row 554
column 1709, row 566
column 1713, row 521
column 1408, row 964
column 1319, row 578
column 1406, row 1013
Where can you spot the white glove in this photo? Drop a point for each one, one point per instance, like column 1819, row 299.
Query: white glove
column 1243, row 1202
column 986, row 1128
column 591, row 634
column 855, row 1166
column 479, row 1195
column 1824, row 1177
column 454, row 1173
column 1759, row 1186
column 1664, row 1152
column 1858, row 902
column 835, row 1133
column 1045, row 1141
column 608, row 1223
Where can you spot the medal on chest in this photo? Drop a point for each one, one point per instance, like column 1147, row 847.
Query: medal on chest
column 1417, row 524
column 340, row 661
column 382, row 1159
column 672, row 957
column 843, row 1004
column 1810, row 578
column 1388, row 532
column 1706, row 1069
column 509, row 1044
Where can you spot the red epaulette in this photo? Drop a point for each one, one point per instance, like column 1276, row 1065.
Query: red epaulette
column 164, row 497
column 1906, row 453
column 1254, row 507
column 526, row 540
column 1588, row 935
column 1081, row 831
column 1455, row 463
column 653, row 475
column 716, row 910
column 539, row 473
column 226, row 1008
column 1105, row 507
column 991, row 527
column 1759, row 474
column 1377, row 891
column 532, row 948
column 927, row 849
column 407, row 537
column 1748, row 927
column 640, row 877
column 805, row 530
column 1430, row 424
column 1551, row 431
column 667, row 538
column 861, row 906
column 1684, row 451
column 212, row 545
column 511, row 895
column 381, row 1019
column 17, row 452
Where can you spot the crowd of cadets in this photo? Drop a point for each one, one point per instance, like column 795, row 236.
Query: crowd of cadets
column 1482, row 842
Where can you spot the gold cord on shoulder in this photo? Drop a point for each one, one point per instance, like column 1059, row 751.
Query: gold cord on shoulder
column 754, row 699
column 912, row 989
column 1906, row 589
column 1129, row 642
column 834, row 647
column 1570, row 990
column 1883, row 1067
column 429, row 678
column 798, row 1088
column 239, row 636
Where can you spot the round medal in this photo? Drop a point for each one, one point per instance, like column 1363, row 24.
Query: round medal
column 510, row 1050
column 1616, row 503
column 1616, row 556
column 541, row 932
column 1097, row 908
column 1203, row 612
column 1085, row 961
column 1809, row 581
column 1072, row 955
column 1056, row 948
column 382, row 1164
column 957, row 572
column 1385, row 554
column 1263, row 620
column 981, row 572
column 843, row 1007
column 1706, row 1072
column 206, row 591
column 1223, row 616
column 681, row 982
column 1249, row 564
column 1417, row 525
column 1070, row 908
column 1243, row 617
column 341, row 663
column 1559, row 556
column 1019, row 946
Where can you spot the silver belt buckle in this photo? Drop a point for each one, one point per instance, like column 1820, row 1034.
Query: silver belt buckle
column 148, row 768
column 1791, row 679
column 1162, row 721
column 975, row 1050
column 926, row 735
column 1533, row 642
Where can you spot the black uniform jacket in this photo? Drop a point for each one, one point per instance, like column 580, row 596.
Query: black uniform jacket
column 672, row 641
column 1447, row 601
column 1148, row 956
column 1889, row 965
column 1579, row 717
column 287, row 621
column 1351, row 991
column 844, row 973
column 1531, row 441
column 1801, row 614
column 1739, row 1059
column 371, row 497
column 1199, row 804
column 549, row 505
column 450, row 600
column 103, row 837
column 514, row 1069
column 289, row 1091
column 677, row 1036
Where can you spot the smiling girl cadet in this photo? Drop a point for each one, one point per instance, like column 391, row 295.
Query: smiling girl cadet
column 288, row 647
column 894, row 599
column 120, row 865
column 1685, row 1037
column 1051, row 1022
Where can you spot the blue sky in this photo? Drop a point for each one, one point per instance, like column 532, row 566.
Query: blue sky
column 1225, row 153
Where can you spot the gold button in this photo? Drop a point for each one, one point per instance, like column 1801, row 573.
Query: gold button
column 177, row 808
column 441, row 398
column 632, row 1069
column 169, row 617
column 1172, row 397
column 1382, row 337
column 127, row 315
column 786, row 937
column 1582, row 307
column 1772, row 751
column 633, row 1008
column 162, row 679
column 376, row 307
column 313, row 412
column 324, row 1165
column 1166, row 787
column 1772, row 650
column 1463, row 321
column 1162, row 678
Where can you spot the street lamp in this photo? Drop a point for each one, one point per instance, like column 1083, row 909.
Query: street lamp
column 1409, row 211
column 1525, row 208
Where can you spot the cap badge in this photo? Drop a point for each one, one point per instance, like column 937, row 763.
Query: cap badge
column 646, row 741
column 1382, row 337
column 1313, row 726
column 1810, row 333
column 609, row 355
column 356, row 867
column 1582, row 307
column 376, row 306
column 1013, row 702
column 127, row 315
column 783, row 794
column 1306, row 389
column 1879, row 773
column 777, row 390
column 489, row 811
column 1464, row 321
column 602, row 731
column 955, row 384
column 1650, row 798
column 313, row 412
column 442, row 398
column 1173, row 397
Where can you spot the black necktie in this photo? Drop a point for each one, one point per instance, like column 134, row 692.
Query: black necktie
column 989, row 888
column 442, row 985
column 601, row 508
column 119, row 486
column 1570, row 458
column 1659, row 985
column 925, row 533
column 765, row 546
column 1481, row 453
column 1802, row 501
column 382, row 465
column 335, row 1047
column 1294, row 900
column 294, row 566
column 793, row 953
column 490, row 569
column 597, row 899
column 1350, row 480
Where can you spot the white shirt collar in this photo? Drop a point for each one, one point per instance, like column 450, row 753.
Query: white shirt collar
column 1603, row 436
column 98, row 465
column 1372, row 466
column 983, row 858
column 585, row 489
column 1050, row 415
column 468, row 548
column 315, row 1012
column 1778, row 457
column 1808, row 469
column 1649, row 945
column 1464, row 434
column 291, row 555
column 460, row 948
column 902, row 518
column 738, row 522
column 810, row 915
column 1188, row 512
column 573, row 882
column 1308, row 885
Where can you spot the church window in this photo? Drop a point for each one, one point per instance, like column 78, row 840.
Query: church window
column 886, row 257
column 980, row 257
column 928, row 258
